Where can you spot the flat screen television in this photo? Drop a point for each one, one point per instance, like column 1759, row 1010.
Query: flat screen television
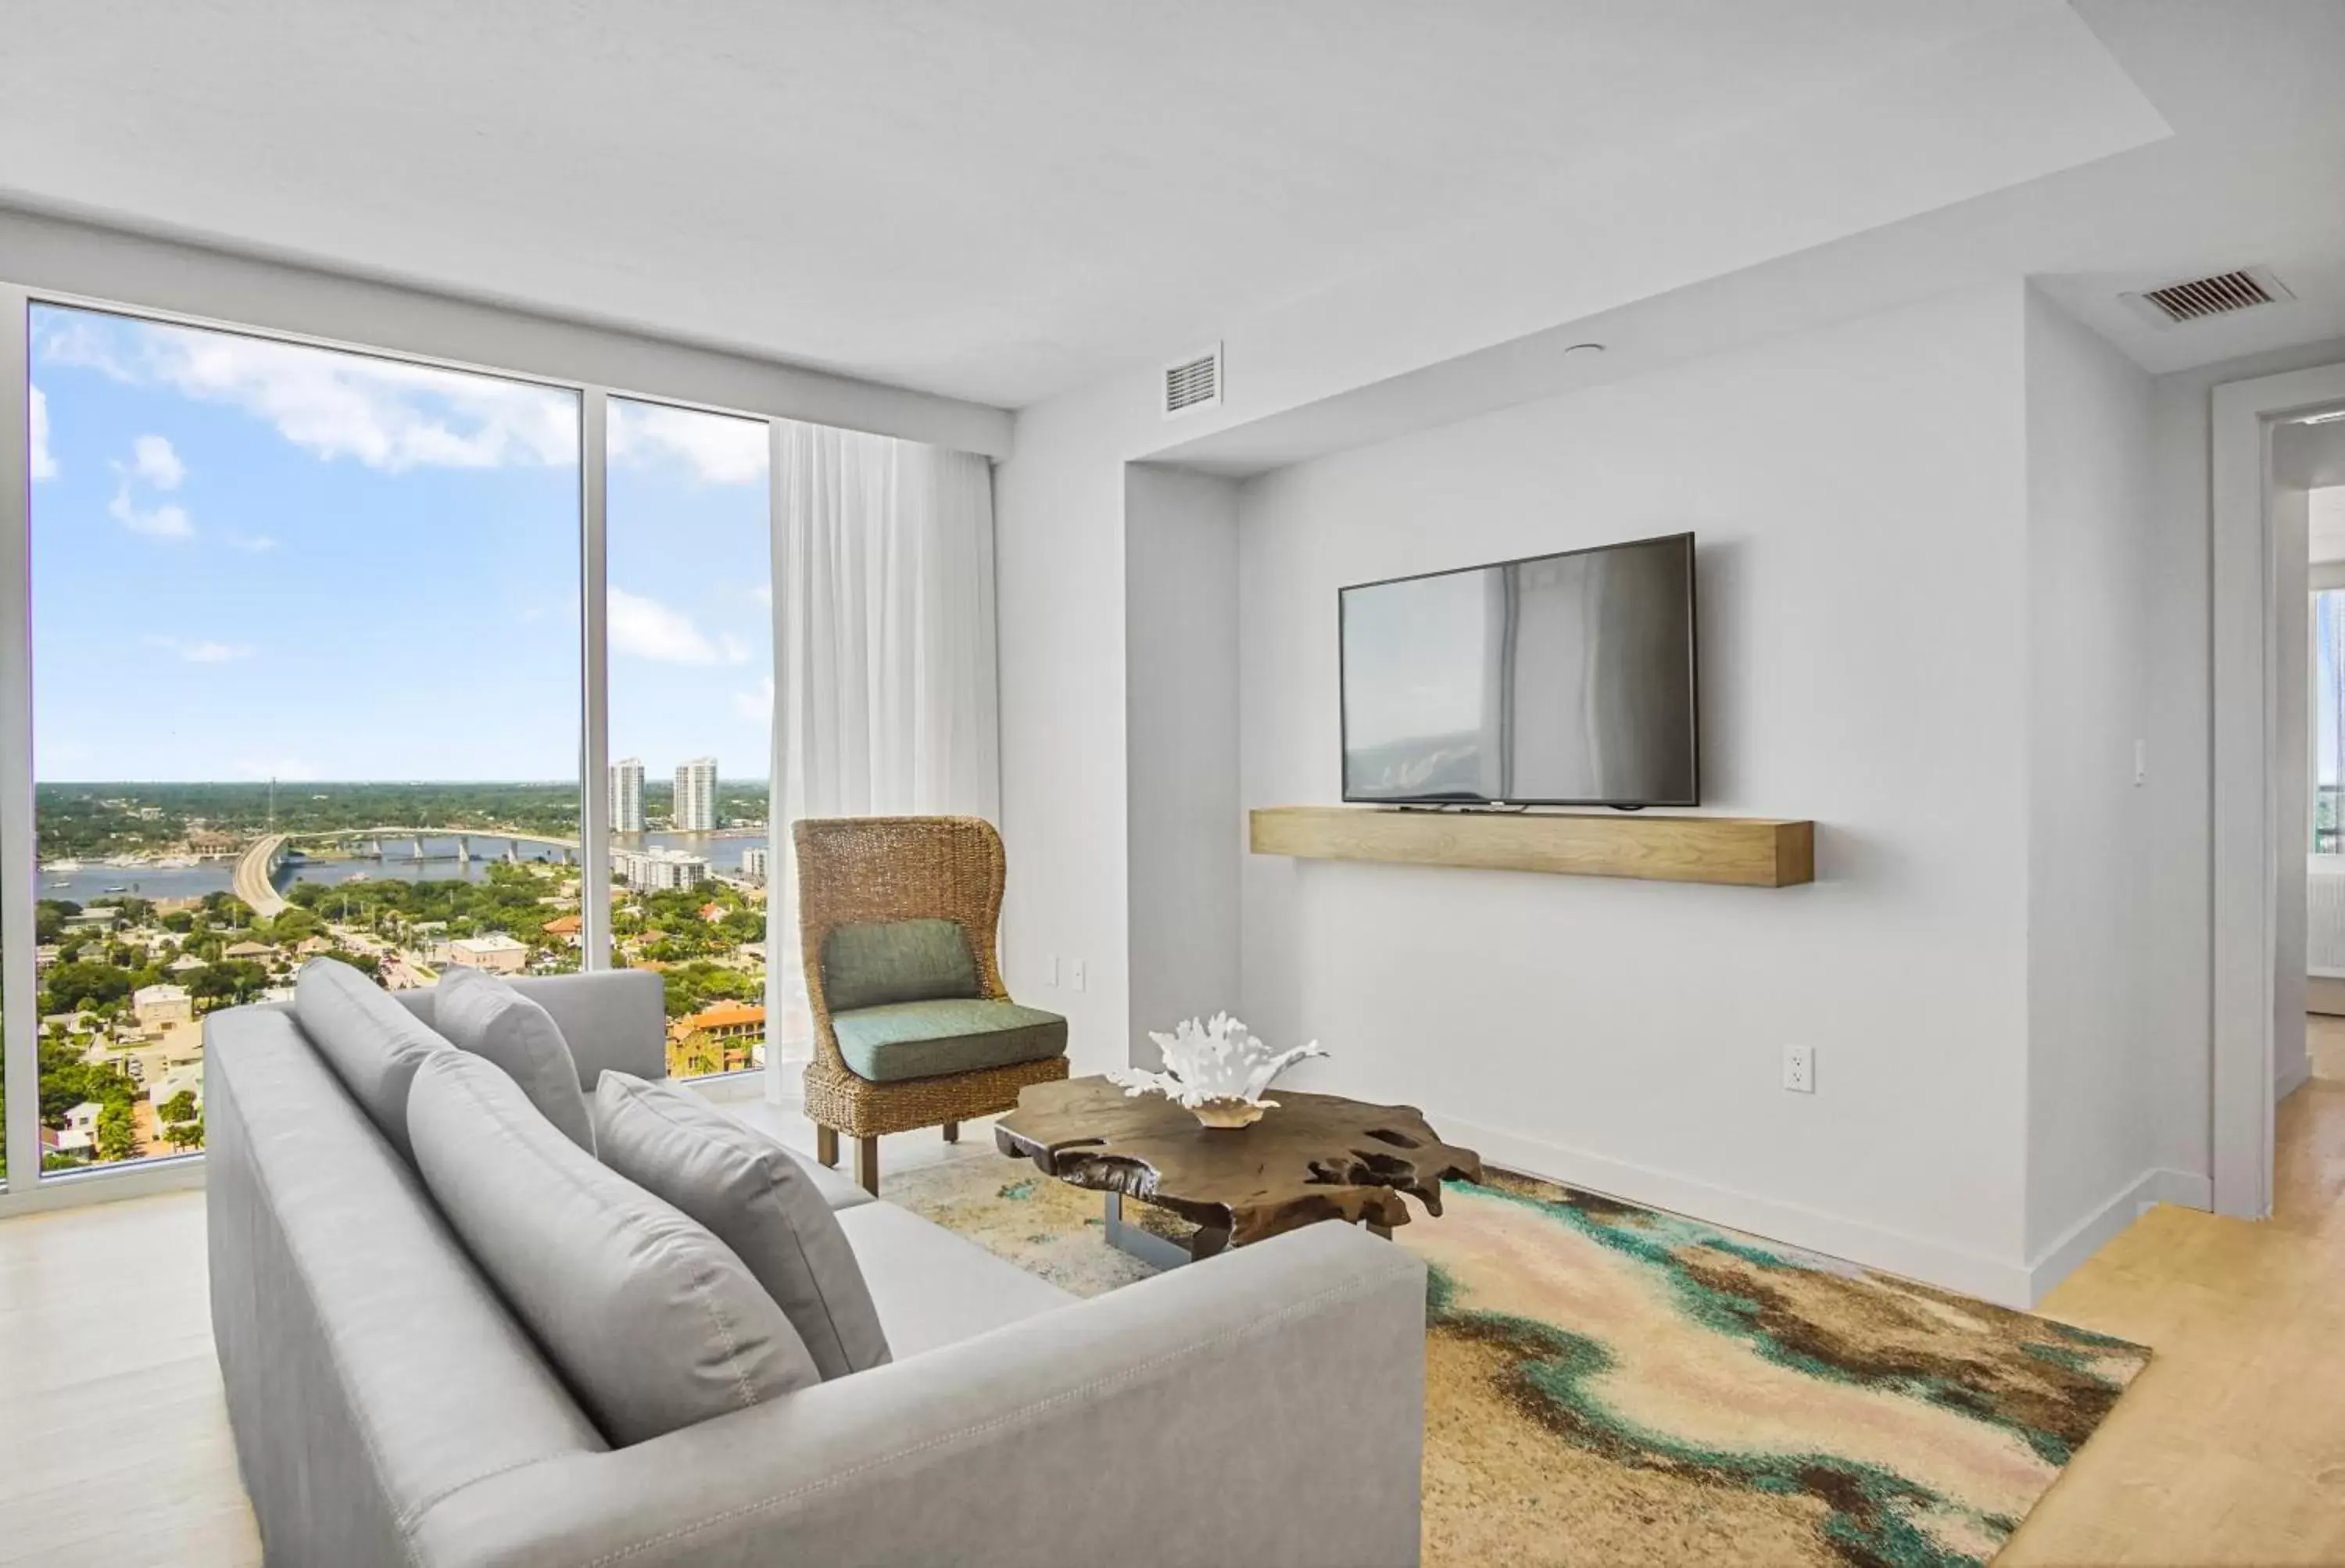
column 1555, row 680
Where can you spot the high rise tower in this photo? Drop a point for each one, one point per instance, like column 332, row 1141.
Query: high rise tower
column 696, row 796
column 627, row 795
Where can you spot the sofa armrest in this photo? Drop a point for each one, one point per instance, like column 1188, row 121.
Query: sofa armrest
column 1265, row 1407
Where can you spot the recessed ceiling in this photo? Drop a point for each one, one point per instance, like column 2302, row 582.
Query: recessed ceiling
column 996, row 201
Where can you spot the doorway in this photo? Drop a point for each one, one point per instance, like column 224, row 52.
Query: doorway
column 2277, row 440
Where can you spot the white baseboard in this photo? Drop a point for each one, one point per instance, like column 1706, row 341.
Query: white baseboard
column 2005, row 1281
column 2289, row 1079
column 2097, row 1230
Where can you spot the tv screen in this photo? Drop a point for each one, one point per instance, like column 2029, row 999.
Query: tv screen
column 1558, row 680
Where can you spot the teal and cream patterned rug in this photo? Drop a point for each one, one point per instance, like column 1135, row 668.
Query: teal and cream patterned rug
column 1608, row 1384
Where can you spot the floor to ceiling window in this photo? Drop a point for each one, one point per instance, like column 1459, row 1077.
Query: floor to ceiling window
column 690, row 618
column 305, row 649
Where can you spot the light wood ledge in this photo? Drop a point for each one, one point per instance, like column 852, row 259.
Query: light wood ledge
column 1739, row 851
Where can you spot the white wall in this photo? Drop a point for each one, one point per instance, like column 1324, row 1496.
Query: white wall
column 1058, row 543
column 2088, row 1094
column 1861, row 496
column 1181, row 702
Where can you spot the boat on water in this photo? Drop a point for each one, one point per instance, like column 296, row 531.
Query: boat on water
column 118, row 888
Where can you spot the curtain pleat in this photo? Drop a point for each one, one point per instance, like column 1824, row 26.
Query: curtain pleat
column 884, row 690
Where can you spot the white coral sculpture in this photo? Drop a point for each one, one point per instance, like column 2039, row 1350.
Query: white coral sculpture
column 1218, row 1070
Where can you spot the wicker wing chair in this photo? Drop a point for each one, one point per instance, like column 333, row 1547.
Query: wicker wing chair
column 871, row 890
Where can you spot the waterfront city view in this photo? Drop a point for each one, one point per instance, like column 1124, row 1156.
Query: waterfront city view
column 306, row 646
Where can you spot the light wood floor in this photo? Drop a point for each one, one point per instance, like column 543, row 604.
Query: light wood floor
column 2229, row 1449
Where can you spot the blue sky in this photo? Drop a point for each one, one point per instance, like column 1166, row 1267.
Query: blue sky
column 253, row 558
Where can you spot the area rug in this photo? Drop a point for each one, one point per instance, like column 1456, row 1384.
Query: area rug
column 1608, row 1384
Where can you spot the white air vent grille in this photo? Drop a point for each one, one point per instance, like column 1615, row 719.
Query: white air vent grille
column 1193, row 382
column 2196, row 298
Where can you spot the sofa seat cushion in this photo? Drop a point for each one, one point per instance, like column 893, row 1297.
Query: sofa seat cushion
column 477, row 1011
column 871, row 963
column 933, row 1287
column 655, row 1323
column 373, row 1043
column 757, row 1198
column 923, row 1039
column 838, row 1189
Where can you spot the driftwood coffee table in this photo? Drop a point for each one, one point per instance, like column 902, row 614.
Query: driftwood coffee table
column 1317, row 1157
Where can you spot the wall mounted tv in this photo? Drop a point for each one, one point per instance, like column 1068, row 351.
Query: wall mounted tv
column 1555, row 680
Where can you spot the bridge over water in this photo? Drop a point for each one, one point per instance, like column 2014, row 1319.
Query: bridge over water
column 255, row 881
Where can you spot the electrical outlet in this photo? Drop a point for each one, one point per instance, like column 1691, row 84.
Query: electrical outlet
column 1050, row 970
column 2140, row 763
column 1800, row 1069
column 1078, row 975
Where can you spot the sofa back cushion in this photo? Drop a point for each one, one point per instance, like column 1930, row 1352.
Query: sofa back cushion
column 757, row 1198
column 871, row 963
column 653, row 1323
column 373, row 1044
column 477, row 1011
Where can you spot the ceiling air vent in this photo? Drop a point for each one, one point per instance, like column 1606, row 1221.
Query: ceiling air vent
column 2196, row 298
column 1193, row 382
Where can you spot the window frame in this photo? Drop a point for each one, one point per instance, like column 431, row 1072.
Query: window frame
column 19, row 843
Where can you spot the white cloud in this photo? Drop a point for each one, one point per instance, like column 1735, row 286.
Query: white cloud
column 717, row 449
column 203, row 651
column 153, row 460
column 44, row 465
column 251, row 544
column 285, row 769
column 168, row 521
column 385, row 414
column 154, row 465
column 755, row 706
column 649, row 629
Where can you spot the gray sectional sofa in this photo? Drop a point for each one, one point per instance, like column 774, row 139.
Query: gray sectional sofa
column 1263, row 1408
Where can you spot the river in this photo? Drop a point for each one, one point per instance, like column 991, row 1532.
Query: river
column 94, row 884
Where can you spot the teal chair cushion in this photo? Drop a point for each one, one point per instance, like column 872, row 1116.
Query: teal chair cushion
column 871, row 963
column 959, row 1034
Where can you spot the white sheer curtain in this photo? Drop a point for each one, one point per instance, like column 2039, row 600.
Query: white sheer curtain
column 884, row 694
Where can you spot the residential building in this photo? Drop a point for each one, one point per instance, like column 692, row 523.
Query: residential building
column 158, row 1004
column 627, row 795
column 659, row 870
column 496, row 952
column 722, row 1038
column 753, row 862
column 695, row 797
column 79, row 1135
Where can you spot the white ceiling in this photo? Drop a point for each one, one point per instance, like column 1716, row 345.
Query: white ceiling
column 996, row 200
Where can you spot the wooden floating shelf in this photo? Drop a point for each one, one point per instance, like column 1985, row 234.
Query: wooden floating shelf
column 1740, row 852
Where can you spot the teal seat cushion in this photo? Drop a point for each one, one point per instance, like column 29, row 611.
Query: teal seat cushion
column 957, row 1034
column 871, row 963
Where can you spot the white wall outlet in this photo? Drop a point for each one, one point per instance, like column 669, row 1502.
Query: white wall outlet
column 1050, row 970
column 2140, row 763
column 1800, row 1069
column 1080, row 976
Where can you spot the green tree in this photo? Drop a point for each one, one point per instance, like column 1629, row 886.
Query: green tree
column 117, row 1132
column 77, row 985
column 227, row 982
column 181, row 1107
column 185, row 1136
